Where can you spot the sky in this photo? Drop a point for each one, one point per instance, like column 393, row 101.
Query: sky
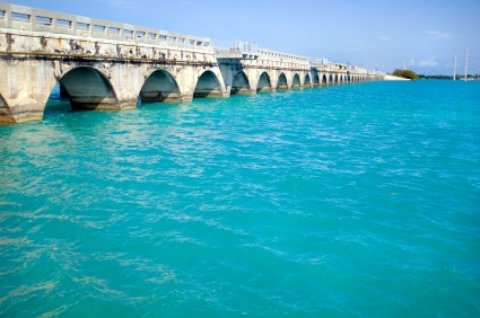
column 423, row 35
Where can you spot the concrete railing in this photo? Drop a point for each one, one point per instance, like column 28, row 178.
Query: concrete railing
column 30, row 19
column 283, row 57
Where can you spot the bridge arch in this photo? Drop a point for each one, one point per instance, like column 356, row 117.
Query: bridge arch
column 316, row 79
column 296, row 84
column 264, row 83
column 282, row 82
column 160, row 86
column 86, row 88
column 4, row 111
column 240, row 84
column 3, row 103
column 208, row 85
column 307, row 81
column 324, row 80
column 330, row 79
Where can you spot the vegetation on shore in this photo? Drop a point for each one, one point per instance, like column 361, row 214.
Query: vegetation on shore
column 405, row 74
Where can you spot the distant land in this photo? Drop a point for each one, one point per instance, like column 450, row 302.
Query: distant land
column 449, row 77
column 409, row 74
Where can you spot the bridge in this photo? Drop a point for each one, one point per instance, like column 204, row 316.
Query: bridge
column 107, row 65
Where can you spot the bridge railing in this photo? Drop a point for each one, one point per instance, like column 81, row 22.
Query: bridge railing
column 31, row 19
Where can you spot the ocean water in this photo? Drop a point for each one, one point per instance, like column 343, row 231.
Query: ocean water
column 349, row 201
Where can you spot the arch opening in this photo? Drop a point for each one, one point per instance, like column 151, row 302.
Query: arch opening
column 240, row 84
column 282, row 82
column 296, row 84
column 336, row 78
column 3, row 104
column 316, row 79
column 324, row 80
column 82, row 88
column 4, row 111
column 264, row 84
column 330, row 80
column 208, row 86
column 307, row 82
column 160, row 87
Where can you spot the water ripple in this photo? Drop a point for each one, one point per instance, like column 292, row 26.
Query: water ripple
column 346, row 201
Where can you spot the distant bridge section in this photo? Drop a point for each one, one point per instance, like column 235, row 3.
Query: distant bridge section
column 331, row 73
column 247, row 69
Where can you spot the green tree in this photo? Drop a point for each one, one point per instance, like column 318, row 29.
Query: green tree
column 406, row 74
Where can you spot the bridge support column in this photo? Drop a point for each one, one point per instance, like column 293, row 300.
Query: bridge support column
column 96, row 103
column 243, row 91
column 166, row 98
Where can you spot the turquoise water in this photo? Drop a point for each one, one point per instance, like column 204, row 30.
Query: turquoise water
column 351, row 201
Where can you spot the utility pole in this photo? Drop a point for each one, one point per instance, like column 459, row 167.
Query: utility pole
column 466, row 64
column 455, row 67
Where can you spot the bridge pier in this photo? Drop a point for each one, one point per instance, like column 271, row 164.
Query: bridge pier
column 243, row 91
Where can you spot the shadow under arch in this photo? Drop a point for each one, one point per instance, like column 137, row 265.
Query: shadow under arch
column 4, row 109
column 307, row 81
column 316, row 79
column 264, row 83
column 82, row 88
column 330, row 80
column 3, row 103
column 296, row 84
column 208, row 85
column 161, row 87
column 324, row 80
column 282, row 84
column 240, row 84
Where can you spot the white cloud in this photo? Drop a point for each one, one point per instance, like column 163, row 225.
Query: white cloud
column 439, row 35
column 429, row 62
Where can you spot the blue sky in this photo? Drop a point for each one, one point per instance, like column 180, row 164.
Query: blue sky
column 423, row 34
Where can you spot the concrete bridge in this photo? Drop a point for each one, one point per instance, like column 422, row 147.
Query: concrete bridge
column 107, row 65
column 248, row 70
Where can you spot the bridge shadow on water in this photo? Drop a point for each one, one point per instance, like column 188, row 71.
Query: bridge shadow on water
column 57, row 106
column 58, row 103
